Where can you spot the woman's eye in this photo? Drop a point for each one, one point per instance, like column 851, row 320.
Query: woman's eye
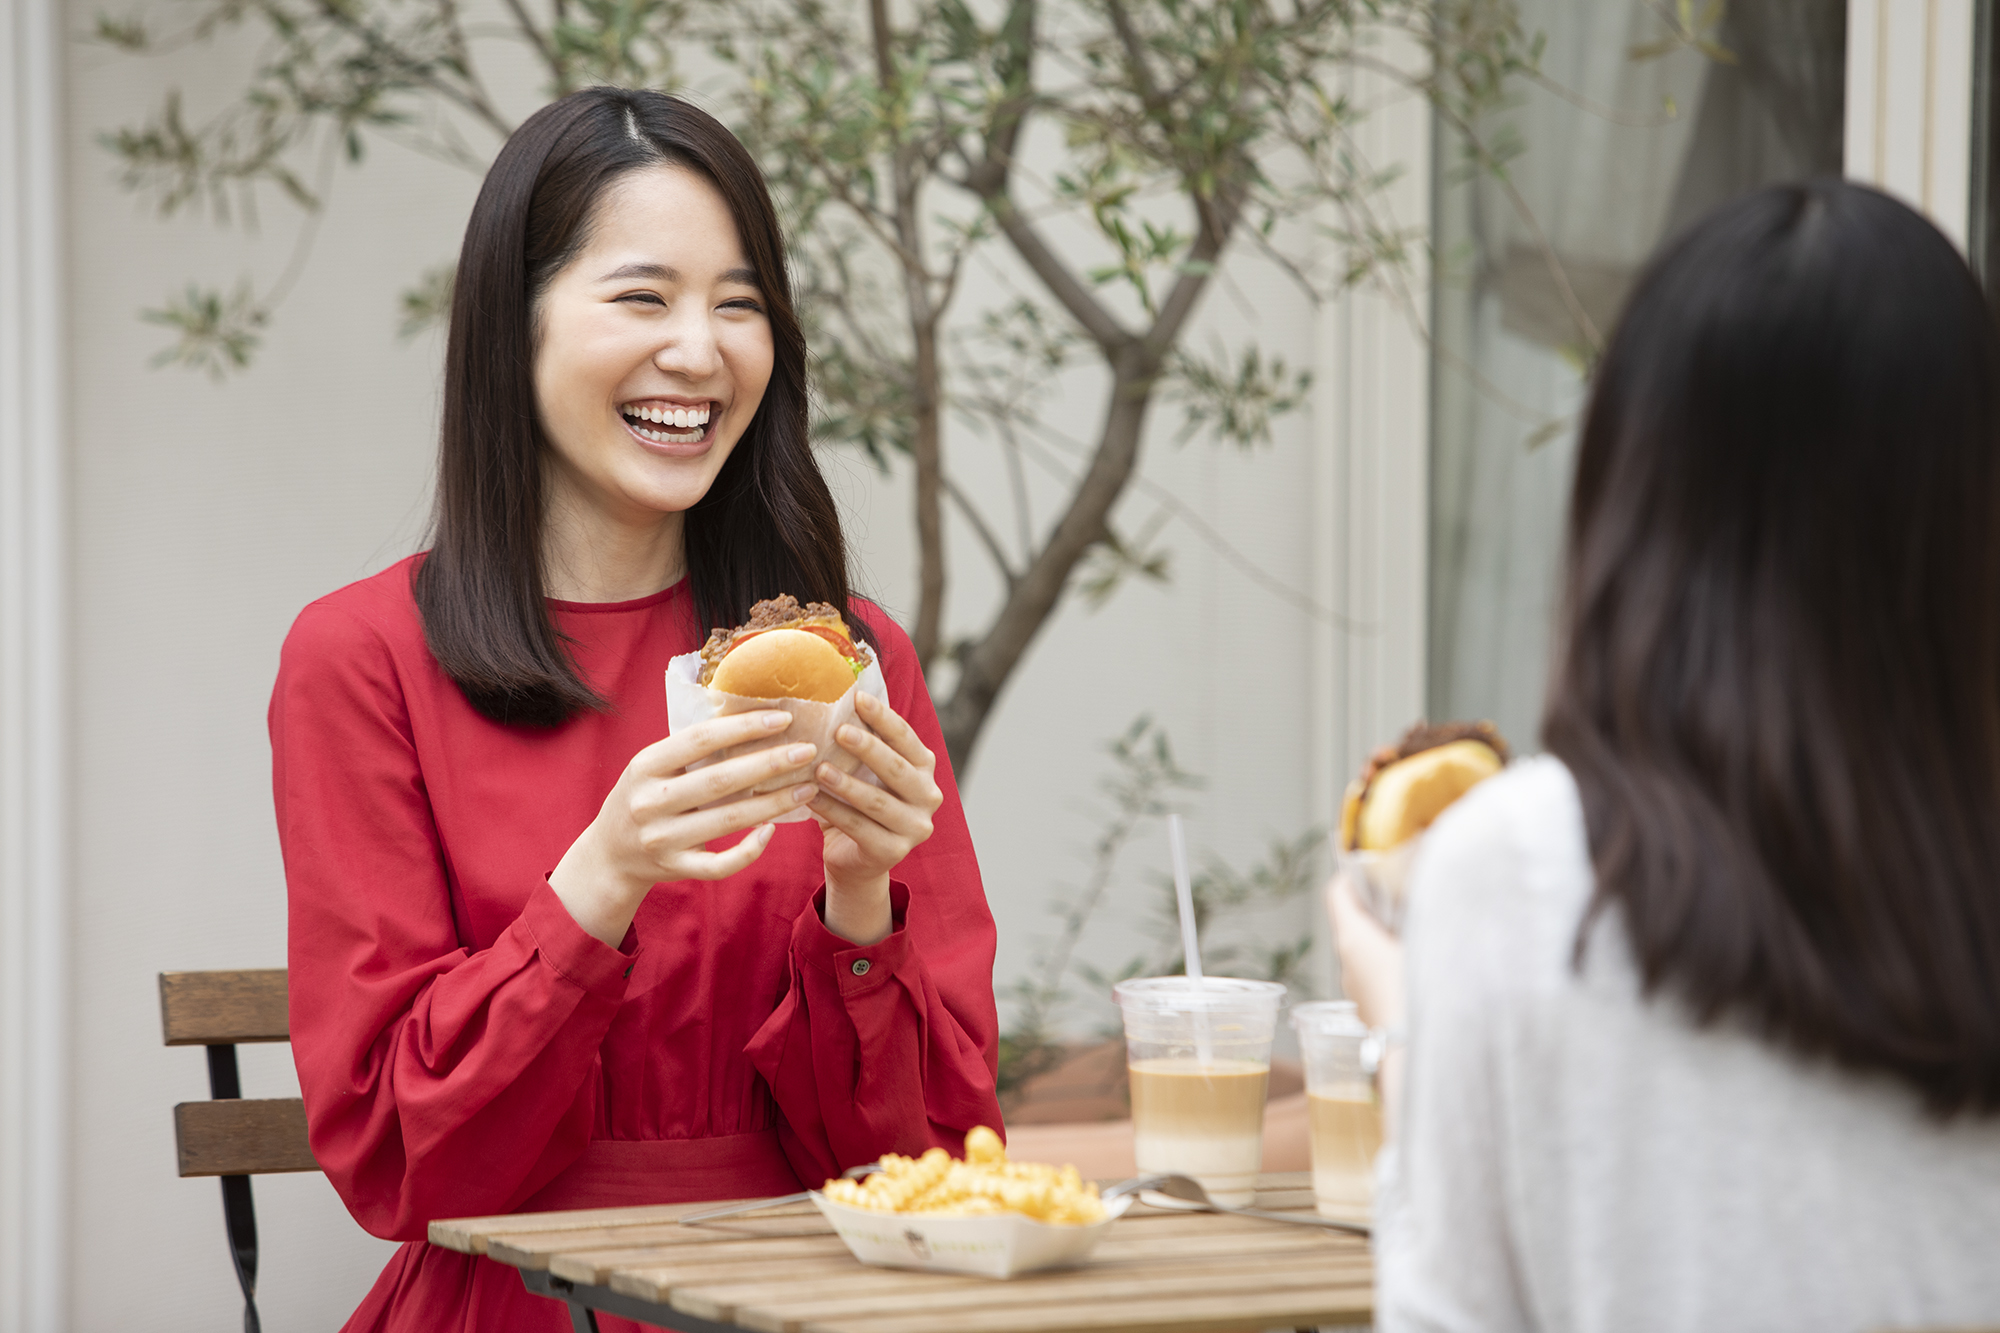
column 744, row 303
column 647, row 298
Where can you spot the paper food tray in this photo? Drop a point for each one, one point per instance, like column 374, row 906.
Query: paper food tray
column 1000, row 1246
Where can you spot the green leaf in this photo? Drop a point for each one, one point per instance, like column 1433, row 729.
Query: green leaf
column 218, row 333
column 1236, row 403
column 1115, row 559
column 426, row 304
column 128, row 34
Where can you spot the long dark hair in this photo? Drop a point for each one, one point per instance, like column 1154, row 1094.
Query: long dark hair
column 768, row 524
column 1778, row 671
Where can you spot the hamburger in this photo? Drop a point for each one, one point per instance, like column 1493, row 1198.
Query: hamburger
column 1407, row 785
column 785, row 651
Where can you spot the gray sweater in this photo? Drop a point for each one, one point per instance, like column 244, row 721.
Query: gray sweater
column 1569, row 1156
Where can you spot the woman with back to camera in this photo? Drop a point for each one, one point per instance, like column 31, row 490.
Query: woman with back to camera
column 526, row 972
column 1703, row 1024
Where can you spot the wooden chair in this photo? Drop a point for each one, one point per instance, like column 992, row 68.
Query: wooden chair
column 229, row 1136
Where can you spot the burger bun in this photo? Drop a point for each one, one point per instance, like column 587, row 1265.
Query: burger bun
column 784, row 664
column 1407, row 795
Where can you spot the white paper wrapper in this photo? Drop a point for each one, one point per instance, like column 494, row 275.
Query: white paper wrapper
column 1000, row 1246
column 1381, row 879
column 812, row 722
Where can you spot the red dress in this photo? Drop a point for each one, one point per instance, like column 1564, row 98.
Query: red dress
column 466, row 1049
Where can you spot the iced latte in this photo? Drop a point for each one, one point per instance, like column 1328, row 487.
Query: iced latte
column 1199, row 1058
column 1345, row 1118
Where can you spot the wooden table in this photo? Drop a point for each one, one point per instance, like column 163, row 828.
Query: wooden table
column 784, row 1271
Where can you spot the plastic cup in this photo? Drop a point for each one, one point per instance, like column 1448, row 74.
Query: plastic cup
column 1340, row 1099
column 1199, row 1057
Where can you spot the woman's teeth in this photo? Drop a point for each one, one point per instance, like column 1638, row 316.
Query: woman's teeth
column 683, row 425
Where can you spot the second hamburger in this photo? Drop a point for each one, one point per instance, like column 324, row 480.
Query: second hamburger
column 1407, row 785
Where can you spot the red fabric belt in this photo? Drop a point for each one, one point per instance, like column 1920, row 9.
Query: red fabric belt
column 620, row 1173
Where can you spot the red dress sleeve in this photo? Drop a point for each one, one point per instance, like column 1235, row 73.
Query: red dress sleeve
column 438, row 1081
column 892, row 1047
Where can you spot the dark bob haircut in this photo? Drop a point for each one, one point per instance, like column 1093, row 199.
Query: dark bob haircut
column 1778, row 669
column 768, row 524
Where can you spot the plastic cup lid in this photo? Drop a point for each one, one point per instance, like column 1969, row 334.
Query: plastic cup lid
column 1329, row 1018
column 1185, row 995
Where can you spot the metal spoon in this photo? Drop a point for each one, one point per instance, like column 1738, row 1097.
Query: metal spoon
column 758, row 1205
column 1189, row 1190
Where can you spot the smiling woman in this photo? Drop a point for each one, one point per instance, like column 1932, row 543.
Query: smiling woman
column 655, row 335
column 693, row 1003
column 606, row 226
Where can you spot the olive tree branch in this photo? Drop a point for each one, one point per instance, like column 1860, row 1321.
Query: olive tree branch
column 540, row 44
column 963, row 503
column 470, row 99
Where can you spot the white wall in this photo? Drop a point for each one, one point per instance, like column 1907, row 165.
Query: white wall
column 204, row 515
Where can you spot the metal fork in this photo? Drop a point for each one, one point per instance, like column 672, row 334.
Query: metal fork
column 757, row 1205
column 1189, row 1190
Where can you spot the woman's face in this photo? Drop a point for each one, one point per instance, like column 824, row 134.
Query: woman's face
column 652, row 350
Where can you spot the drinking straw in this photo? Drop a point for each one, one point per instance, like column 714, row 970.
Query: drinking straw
column 1184, row 895
column 1190, row 944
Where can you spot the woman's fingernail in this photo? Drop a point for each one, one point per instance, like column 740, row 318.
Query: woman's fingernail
column 800, row 795
column 850, row 735
column 830, row 775
column 799, row 754
column 775, row 720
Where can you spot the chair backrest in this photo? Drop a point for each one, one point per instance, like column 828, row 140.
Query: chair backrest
column 230, row 1136
column 203, row 1008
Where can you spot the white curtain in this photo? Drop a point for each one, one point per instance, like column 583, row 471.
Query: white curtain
column 1626, row 143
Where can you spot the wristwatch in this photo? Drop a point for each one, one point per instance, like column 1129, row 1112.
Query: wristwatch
column 1376, row 1045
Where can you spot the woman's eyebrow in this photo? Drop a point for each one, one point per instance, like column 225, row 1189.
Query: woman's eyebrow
column 663, row 273
column 656, row 272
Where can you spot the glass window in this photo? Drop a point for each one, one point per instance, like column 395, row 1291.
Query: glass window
column 1544, row 214
column 1983, row 229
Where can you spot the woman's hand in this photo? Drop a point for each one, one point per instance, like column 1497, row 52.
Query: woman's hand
column 870, row 829
column 649, row 830
column 1371, row 973
column 1371, row 959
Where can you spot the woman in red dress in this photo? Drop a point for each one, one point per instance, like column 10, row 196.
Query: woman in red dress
column 527, row 971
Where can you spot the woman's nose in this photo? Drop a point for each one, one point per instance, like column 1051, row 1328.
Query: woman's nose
column 690, row 348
